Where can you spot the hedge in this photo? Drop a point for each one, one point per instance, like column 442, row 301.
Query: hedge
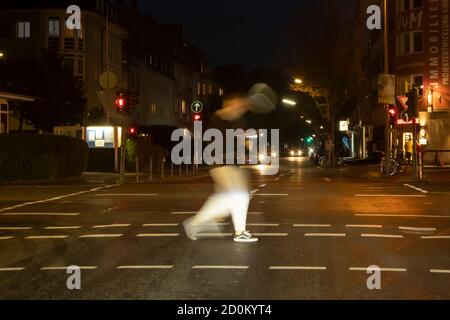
column 32, row 157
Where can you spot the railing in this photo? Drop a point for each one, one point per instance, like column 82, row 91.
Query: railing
column 422, row 155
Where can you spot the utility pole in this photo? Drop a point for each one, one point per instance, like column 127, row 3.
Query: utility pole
column 386, row 71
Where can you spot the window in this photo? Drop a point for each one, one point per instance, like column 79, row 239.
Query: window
column 183, row 106
column 68, row 63
column 417, row 4
column 23, row 29
column 5, row 31
column 220, row 92
column 53, row 27
column 406, row 5
column 204, row 89
column 410, row 42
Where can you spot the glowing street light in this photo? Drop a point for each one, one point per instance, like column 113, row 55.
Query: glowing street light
column 2, row 55
column 308, row 121
column 298, row 81
column 289, row 102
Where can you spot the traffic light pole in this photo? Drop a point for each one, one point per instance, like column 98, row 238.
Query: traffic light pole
column 386, row 71
column 122, row 153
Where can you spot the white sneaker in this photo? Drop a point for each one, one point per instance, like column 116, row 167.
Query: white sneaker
column 245, row 237
column 190, row 229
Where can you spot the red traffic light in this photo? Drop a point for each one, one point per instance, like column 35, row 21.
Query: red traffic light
column 132, row 130
column 120, row 102
column 392, row 112
column 197, row 117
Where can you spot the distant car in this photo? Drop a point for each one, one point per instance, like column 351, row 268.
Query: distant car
column 296, row 153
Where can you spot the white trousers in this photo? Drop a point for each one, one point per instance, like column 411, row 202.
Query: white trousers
column 222, row 205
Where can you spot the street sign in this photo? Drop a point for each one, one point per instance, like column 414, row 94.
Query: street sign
column 108, row 80
column 343, row 125
column 197, row 107
column 403, row 100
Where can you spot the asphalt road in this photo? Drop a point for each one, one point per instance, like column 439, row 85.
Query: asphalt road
column 319, row 232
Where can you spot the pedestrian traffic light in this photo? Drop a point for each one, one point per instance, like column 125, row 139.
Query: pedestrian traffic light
column 120, row 102
column 197, row 117
column 412, row 102
column 393, row 115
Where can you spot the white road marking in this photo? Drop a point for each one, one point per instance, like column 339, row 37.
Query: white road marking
column 439, row 271
column 325, row 234
column 435, row 237
column 364, row 226
column 143, row 235
column 263, row 224
column 263, row 185
column 6, row 238
column 254, row 191
column 160, row 224
column 118, row 225
column 184, row 212
column 47, row 237
column 110, row 209
column 417, row 229
column 62, row 214
column 112, row 235
column 400, row 215
column 312, row 225
column 62, row 228
column 144, row 267
column 391, row 195
column 12, row 269
column 415, row 188
column 16, row 228
column 270, row 234
column 296, row 268
column 272, row 194
column 126, row 194
column 222, row 267
column 277, row 179
column 256, row 213
column 369, row 235
column 21, row 205
column 326, row 179
column 381, row 269
column 65, row 268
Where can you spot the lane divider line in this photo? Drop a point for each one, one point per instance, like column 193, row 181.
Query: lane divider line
column 144, row 235
column 434, row 237
column 440, row 271
column 144, row 267
column 296, row 268
column 112, row 235
column 21, row 205
column 375, row 235
column 400, row 215
column 6, row 238
column 46, row 237
column 415, row 188
column 12, row 269
column 221, row 267
column 118, row 225
column 375, row 226
column 15, row 228
column 381, row 269
column 390, row 195
column 160, row 224
column 62, row 227
column 65, row 268
column 416, row 229
column 312, row 225
column 53, row 214
column 325, row 234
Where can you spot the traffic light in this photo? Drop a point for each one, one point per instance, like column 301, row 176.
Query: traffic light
column 412, row 103
column 197, row 117
column 132, row 131
column 121, row 102
column 393, row 115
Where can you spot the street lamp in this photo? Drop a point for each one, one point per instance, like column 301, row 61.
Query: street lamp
column 1, row 54
column 308, row 121
column 298, row 81
column 289, row 102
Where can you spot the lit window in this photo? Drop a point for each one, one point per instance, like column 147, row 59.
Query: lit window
column 183, row 106
column 23, row 29
column 53, row 27
column 204, row 89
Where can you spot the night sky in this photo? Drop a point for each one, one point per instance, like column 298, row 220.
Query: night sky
column 252, row 33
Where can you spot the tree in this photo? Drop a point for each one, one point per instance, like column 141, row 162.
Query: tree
column 60, row 96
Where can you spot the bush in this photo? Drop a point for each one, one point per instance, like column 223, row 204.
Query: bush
column 146, row 150
column 25, row 157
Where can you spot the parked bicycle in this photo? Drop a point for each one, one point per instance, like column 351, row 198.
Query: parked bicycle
column 396, row 166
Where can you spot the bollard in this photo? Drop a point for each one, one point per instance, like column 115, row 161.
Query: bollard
column 162, row 168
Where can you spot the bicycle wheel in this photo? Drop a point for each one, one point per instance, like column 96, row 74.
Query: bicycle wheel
column 323, row 161
column 393, row 167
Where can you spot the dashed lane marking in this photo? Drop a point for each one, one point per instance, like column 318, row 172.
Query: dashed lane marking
column 375, row 226
column 46, row 237
column 263, row 224
column 66, row 267
column 416, row 229
column 297, row 268
column 6, row 238
column 142, row 267
column 391, row 195
column 113, row 235
column 12, row 269
column 325, row 234
column 401, row 215
column 381, row 269
column 272, row 194
column 271, row 234
column 117, row 225
column 184, row 212
column 254, row 191
column 222, row 267
column 54, row 214
column 21, row 205
column 440, row 271
column 126, row 194
column 15, row 228
column 263, row 185
column 415, row 188
column 374, row 235
column 434, row 237
column 312, row 225
column 160, row 224
column 256, row 213
column 156, row 235
column 62, row 227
